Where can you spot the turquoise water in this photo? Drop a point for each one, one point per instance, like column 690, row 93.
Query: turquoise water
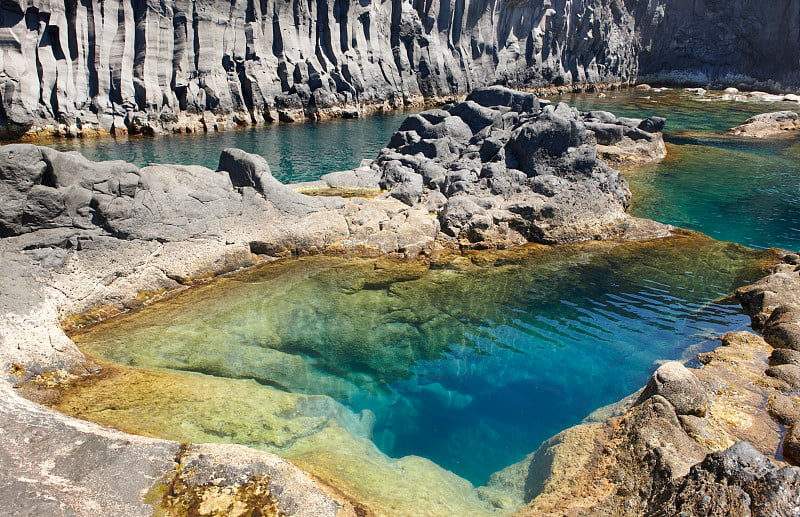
column 469, row 365
column 295, row 152
column 734, row 189
column 473, row 365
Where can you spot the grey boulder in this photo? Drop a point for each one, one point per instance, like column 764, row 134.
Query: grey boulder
column 679, row 386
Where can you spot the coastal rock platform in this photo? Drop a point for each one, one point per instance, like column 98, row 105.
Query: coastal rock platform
column 82, row 241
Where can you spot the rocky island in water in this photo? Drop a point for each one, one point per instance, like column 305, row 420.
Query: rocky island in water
column 466, row 201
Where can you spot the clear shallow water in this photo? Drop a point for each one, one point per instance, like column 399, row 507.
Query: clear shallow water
column 295, row 152
column 734, row 189
column 471, row 365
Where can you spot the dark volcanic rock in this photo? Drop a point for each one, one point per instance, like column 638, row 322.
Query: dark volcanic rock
column 737, row 481
column 245, row 169
column 509, row 169
column 652, row 124
column 50, row 189
column 173, row 63
column 706, row 42
column 47, row 189
column 176, row 65
column 791, row 447
column 788, row 373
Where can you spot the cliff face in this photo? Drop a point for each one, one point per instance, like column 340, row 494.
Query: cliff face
column 167, row 63
column 146, row 65
column 719, row 42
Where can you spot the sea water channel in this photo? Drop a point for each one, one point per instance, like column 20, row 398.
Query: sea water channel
column 470, row 362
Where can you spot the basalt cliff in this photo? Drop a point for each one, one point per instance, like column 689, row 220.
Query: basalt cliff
column 144, row 66
column 83, row 241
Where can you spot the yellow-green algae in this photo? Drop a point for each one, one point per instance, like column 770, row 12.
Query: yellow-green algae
column 178, row 496
column 309, row 430
column 316, row 432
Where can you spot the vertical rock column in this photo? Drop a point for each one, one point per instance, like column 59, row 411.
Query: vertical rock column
column 151, row 65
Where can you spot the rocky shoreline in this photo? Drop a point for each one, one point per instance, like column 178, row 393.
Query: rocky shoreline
column 115, row 236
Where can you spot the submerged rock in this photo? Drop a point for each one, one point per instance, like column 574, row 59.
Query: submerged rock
column 767, row 125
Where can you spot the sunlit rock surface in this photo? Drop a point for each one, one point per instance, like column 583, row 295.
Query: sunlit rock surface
column 505, row 168
column 766, row 125
column 141, row 67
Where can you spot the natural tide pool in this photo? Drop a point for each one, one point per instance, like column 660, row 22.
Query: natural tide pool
column 468, row 361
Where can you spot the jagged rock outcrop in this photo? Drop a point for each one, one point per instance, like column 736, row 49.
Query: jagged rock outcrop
column 504, row 168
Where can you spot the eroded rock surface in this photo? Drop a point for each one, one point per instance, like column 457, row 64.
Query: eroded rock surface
column 179, row 65
column 504, row 168
column 736, row 481
column 767, row 125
